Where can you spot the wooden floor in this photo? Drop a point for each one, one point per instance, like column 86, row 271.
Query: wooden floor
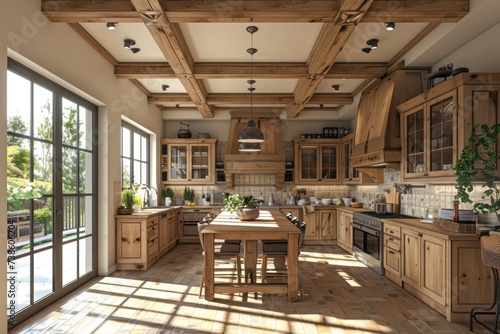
column 341, row 296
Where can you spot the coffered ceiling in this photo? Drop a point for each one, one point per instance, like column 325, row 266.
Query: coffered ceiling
column 199, row 49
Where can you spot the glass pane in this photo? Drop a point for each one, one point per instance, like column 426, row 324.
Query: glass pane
column 441, row 133
column 414, row 144
column 70, row 223
column 126, row 143
column 43, row 118
column 43, row 168
column 43, row 222
column 70, row 262
column 137, row 173
column 144, row 173
column 18, row 160
column 309, row 164
column 126, row 173
column 85, row 120
column 85, row 256
column 144, row 149
column 329, row 162
column 22, row 284
column 70, row 123
column 43, row 274
column 18, row 231
column 69, row 170
column 85, row 224
column 85, row 172
column 18, row 103
column 137, row 146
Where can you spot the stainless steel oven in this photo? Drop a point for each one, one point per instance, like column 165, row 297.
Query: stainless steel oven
column 367, row 238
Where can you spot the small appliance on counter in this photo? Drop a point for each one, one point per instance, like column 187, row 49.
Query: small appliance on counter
column 217, row 198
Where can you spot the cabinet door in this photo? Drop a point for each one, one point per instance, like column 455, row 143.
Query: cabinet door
column 413, row 149
column 329, row 162
column 201, row 164
column 392, row 261
column 434, row 268
column 163, row 234
column 327, row 225
column 131, row 239
column 348, row 231
column 308, row 163
column 340, row 228
column 311, row 226
column 178, row 165
column 411, row 258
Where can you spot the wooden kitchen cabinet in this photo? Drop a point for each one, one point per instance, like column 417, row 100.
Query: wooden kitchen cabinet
column 317, row 161
column 392, row 253
column 327, row 225
column 167, row 236
column 321, row 226
column 137, row 242
column 436, row 124
column 188, row 161
column 344, row 230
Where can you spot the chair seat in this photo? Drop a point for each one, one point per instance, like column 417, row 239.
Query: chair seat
column 273, row 241
column 277, row 248
column 231, row 241
column 226, row 248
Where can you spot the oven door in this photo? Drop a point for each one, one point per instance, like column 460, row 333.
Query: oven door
column 367, row 246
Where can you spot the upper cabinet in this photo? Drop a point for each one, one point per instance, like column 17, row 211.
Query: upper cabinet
column 317, row 160
column 188, row 161
column 353, row 175
column 436, row 124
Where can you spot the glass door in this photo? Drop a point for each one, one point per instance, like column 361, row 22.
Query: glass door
column 178, row 162
column 441, row 134
column 329, row 162
column 415, row 142
column 200, row 162
column 308, row 163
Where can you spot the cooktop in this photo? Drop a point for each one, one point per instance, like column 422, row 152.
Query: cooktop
column 381, row 215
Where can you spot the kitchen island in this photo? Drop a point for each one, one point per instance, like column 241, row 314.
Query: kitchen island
column 271, row 224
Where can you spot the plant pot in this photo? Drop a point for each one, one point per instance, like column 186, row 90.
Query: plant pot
column 168, row 201
column 247, row 213
column 125, row 211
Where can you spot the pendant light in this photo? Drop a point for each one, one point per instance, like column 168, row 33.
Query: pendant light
column 251, row 134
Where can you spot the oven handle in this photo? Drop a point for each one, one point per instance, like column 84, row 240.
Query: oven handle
column 366, row 229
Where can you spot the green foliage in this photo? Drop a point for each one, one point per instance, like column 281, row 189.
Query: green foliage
column 479, row 150
column 44, row 215
column 137, row 200
column 167, row 192
column 16, row 195
column 128, row 199
column 188, row 194
column 233, row 203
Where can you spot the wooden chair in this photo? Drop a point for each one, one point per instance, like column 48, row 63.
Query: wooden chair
column 277, row 250
column 490, row 251
column 223, row 251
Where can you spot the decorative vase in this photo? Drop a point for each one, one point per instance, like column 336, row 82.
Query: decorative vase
column 168, row 201
column 247, row 213
column 137, row 208
column 456, row 217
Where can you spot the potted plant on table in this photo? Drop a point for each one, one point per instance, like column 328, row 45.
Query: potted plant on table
column 167, row 194
column 246, row 207
column 128, row 201
column 188, row 196
column 480, row 150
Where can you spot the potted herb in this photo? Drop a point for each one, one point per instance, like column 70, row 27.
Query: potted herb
column 128, row 202
column 246, row 207
column 479, row 150
column 167, row 194
column 188, row 196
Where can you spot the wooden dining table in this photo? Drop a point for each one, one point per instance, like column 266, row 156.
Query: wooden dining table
column 270, row 225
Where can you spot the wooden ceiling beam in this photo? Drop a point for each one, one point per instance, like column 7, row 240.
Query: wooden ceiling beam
column 242, row 70
column 255, row 11
column 173, row 46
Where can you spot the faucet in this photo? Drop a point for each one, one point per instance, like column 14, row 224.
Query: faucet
column 147, row 201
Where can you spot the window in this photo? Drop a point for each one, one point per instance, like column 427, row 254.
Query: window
column 135, row 156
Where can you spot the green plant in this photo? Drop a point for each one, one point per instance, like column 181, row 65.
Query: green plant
column 233, row 203
column 44, row 215
column 188, row 194
column 137, row 200
column 128, row 198
column 167, row 192
column 479, row 151
column 16, row 195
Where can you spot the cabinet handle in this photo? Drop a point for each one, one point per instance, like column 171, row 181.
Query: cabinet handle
column 138, row 239
column 391, row 232
column 124, row 239
column 420, row 234
column 391, row 239
column 140, row 266
column 392, row 252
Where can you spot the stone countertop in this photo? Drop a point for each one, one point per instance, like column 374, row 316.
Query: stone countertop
column 149, row 212
column 415, row 224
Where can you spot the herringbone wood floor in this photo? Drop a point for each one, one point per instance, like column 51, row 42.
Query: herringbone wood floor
column 341, row 296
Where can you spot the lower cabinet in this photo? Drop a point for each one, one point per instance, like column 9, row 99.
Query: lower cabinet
column 136, row 242
column 321, row 226
column 392, row 253
column 344, row 230
column 167, row 231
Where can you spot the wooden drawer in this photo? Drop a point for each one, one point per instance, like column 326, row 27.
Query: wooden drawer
column 153, row 221
column 152, row 232
column 392, row 230
column 392, row 242
column 152, row 247
column 392, row 265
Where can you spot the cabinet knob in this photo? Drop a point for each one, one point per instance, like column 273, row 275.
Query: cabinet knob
column 138, row 239
column 392, row 252
column 420, row 234
column 124, row 239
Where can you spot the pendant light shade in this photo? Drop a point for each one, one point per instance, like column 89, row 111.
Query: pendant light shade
column 249, row 147
column 251, row 134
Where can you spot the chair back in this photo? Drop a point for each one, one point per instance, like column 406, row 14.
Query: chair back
column 490, row 249
column 302, row 227
column 201, row 227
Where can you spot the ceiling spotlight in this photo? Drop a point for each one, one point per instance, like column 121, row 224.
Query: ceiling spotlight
column 127, row 44
column 390, row 26
column 367, row 50
column 111, row 25
column 164, row 87
column 335, row 88
column 321, row 106
column 373, row 43
column 135, row 50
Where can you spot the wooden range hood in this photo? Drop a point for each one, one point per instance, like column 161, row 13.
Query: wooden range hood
column 271, row 158
column 377, row 139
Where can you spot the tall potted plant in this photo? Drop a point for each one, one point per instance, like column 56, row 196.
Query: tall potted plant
column 167, row 194
column 128, row 202
column 188, row 196
column 246, row 207
column 480, row 149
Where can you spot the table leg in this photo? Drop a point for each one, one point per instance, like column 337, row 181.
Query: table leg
column 209, row 265
column 250, row 259
column 293, row 266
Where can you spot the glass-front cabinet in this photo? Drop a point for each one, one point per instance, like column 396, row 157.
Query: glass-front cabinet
column 349, row 173
column 188, row 160
column 317, row 161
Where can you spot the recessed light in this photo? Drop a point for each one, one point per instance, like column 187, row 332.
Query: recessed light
column 390, row 26
column 127, row 44
column 111, row 25
column 336, row 88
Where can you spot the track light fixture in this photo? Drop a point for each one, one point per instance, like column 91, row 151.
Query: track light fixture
column 367, row 50
column 128, row 43
column 373, row 43
column 251, row 134
column 164, row 87
column 135, row 50
column 111, row 25
column 336, row 88
column 390, row 26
